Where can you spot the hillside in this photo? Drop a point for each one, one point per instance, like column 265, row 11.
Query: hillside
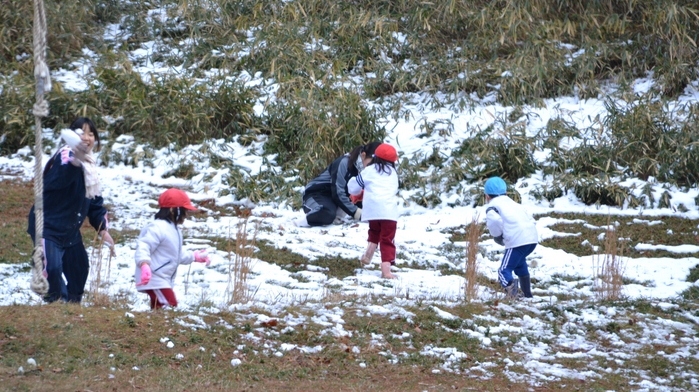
column 588, row 111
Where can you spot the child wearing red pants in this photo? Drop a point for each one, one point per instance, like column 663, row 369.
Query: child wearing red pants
column 379, row 183
column 159, row 250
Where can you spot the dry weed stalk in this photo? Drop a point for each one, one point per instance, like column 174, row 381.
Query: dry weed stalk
column 99, row 283
column 239, row 264
column 610, row 267
column 473, row 235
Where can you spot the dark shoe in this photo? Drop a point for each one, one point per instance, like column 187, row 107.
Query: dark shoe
column 526, row 286
column 75, row 298
column 512, row 290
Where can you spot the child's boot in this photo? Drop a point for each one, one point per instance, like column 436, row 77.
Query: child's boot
column 512, row 289
column 386, row 270
column 369, row 253
column 526, row 286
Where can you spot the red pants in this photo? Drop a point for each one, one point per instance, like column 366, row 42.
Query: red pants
column 383, row 232
column 161, row 297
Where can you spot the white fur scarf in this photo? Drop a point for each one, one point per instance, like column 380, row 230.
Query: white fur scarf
column 92, row 181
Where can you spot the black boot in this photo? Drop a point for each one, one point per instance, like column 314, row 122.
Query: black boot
column 75, row 298
column 526, row 286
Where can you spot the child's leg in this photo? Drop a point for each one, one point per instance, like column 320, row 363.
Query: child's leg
column 369, row 253
column 386, row 270
column 522, row 270
column 373, row 242
column 161, row 297
column 387, row 247
column 506, row 267
column 519, row 259
column 153, row 299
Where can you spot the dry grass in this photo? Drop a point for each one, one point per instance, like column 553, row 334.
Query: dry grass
column 98, row 290
column 240, row 263
column 473, row 235
column 17, row 198
column 609, row 266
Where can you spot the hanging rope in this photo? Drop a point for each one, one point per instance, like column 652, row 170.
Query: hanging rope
column 38, row 283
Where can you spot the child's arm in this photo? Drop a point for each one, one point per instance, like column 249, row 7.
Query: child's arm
column 186, row 257
column 147, row 242
column 355, row 185
column 494, row 222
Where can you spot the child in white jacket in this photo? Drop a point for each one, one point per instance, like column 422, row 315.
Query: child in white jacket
column 514, row 228
column 159, row 250
column 379, row 183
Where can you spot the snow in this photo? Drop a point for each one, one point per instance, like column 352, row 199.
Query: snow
column 131, row 191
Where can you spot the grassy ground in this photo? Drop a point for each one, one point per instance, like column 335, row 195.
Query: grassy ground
column 107, row 348
column 17, row 199
column 99, row 349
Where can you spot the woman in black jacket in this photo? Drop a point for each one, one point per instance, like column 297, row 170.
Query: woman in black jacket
column 328, row 192
column 71, row 194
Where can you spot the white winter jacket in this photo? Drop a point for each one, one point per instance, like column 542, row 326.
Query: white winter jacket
column 160, row 243
column 505, row 217
column 380, row 199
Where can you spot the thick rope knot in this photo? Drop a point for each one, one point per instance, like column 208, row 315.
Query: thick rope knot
column 38, row 283
column 42, row 74
column 41, row 109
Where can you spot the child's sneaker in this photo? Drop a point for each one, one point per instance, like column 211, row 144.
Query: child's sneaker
column 512, row 290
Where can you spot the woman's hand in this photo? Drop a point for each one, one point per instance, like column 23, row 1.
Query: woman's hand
column 107, row 239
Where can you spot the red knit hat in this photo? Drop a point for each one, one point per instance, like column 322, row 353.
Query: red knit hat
column 387, row 152
column 175, row 198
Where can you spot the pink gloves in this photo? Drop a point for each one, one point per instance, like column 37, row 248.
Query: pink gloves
column 202, row 256
column 145, row 274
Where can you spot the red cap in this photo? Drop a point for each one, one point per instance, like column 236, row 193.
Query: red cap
column 387, row 152
column 175, row 198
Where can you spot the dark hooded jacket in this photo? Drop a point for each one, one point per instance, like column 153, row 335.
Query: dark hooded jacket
column 333, row 182
column 65, row 204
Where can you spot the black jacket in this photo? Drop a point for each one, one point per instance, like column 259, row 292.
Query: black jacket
column 65, row 204
column 333, row 182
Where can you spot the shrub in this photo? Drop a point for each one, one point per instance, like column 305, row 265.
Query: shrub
column 314, row 126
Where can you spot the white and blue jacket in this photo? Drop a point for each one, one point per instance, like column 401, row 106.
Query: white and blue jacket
column 504, row 217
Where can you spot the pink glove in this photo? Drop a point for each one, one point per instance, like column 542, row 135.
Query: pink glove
column 145, row 274
column 202, row 256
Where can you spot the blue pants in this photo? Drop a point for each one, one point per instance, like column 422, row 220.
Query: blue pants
column 71, row 262
column 320, row 209
column 515, row 260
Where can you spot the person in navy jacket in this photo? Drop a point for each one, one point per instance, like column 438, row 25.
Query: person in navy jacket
column 326, row 196
column 515, row 229
column 71, row 194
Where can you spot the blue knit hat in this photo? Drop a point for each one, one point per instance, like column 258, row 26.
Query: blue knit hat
column 495, row 186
